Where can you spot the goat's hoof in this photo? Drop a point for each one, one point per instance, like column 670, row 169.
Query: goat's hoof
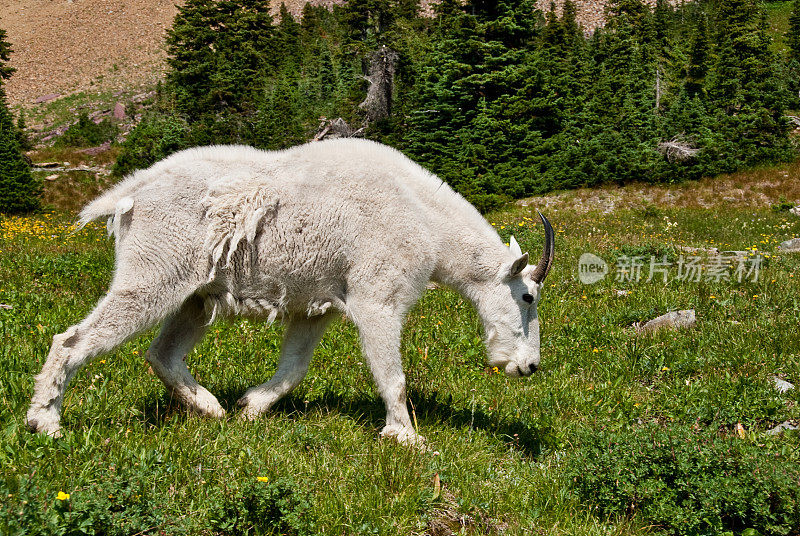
column 211, row 412
column 250, row 413
column 34, row 427
column 404, row 436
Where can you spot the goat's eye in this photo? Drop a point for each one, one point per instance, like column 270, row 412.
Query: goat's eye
column 528, row 298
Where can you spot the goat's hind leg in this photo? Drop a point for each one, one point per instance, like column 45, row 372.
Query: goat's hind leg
column 302, row 336
column 122, row 314
column 167, row 355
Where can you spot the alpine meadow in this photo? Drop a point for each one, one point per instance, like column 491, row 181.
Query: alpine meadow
column 662, row 394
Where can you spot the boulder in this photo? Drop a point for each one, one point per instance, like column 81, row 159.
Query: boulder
column 119, row 111
column 791, row 245
column 781, row 385
column 786, row 425
column 672, row 320
column 92, row 151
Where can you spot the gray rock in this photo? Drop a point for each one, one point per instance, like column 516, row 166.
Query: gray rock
column 781, row 385
column 46, row 98
column 792, row 244
column 696, row 251
column 672, row 320
column 786, row 425
column 119, row 111
column 143, row 96
column 92, row 151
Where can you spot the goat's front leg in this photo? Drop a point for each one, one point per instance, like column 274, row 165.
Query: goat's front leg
column 302, row 336
column 380, row 332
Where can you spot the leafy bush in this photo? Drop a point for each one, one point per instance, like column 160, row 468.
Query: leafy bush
column 87, row 133
column 263, row 508
column 117, row 507
column 687, row 482
column 783, row 205
column 156, row 137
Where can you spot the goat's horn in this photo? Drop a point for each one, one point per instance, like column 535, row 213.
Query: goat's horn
column 543, row 267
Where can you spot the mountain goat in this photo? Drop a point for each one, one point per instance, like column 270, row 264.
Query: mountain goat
column 344, row 225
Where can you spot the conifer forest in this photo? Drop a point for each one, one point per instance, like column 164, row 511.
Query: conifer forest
column 497, row 98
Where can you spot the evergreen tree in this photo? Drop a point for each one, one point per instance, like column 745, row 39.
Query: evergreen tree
column 793, row 55
column 793, row 32
column 745, row 89
column 5, row 54
column 698, row 61
column 288, row 45
column 482, row 76
column 366, row 20
column 19, row 191
column 219, row 53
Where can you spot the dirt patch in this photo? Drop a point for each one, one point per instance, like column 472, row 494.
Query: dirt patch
column 64, row 46
column 758, row 188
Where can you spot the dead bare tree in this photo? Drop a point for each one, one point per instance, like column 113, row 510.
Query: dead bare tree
column 336, row 128
column 382, row 66
column 677, row 149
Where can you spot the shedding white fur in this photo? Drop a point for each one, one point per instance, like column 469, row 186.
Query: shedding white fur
column 346, row 226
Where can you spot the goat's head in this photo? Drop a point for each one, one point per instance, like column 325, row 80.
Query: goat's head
column 512, row 325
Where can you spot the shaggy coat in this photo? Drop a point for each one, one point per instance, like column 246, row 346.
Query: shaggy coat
column 344, row 225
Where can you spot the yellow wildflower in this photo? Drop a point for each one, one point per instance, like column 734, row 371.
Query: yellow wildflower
column 62, row 496
column 263, row 478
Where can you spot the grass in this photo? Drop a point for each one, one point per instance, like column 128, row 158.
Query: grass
column 778, row 18
column 500, row 449
column 63, row 111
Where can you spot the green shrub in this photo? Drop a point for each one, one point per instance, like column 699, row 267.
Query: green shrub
column 117, row 507
column 87, row 133
column 263, row 508
column 156, row 137
column 783, row 205
column 688, row 482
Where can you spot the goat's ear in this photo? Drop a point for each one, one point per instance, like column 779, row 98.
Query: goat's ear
column 514, row 247
column 514, row 268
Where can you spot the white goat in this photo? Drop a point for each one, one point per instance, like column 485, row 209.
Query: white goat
column 347, row 225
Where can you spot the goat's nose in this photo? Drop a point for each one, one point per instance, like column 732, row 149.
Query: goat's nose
column 533, row 367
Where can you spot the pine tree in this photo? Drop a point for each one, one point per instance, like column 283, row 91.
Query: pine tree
column 482, row 76
column 366, row 20
column 793, row 55
column 19, row 191
column 288, row 46
column 5, row 54
column 745, row 88
column 698, row 60
column 793, row 33
column 219, row 52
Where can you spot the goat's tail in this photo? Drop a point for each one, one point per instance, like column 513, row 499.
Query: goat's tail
column 118, row 200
